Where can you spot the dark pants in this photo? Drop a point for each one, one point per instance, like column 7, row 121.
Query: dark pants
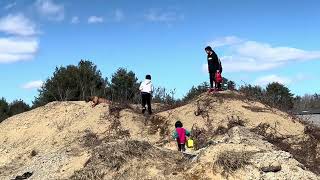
column 146, row 100
column 213, row 80
column 182, row 147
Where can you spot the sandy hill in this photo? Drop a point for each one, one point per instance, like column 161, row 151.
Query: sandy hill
column 235, row 138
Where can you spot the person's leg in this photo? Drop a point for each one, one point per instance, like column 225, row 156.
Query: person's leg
column 215, row 82
column 183, row 147
column 144, row 101
column 220, row 86
column 149, row 103
column 178, row 143
column 211, row 75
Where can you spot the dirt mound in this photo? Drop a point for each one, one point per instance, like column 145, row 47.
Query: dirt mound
column 131, row 160
column 233, row 136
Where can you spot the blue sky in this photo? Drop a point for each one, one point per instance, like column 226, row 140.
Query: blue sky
column 257, row 41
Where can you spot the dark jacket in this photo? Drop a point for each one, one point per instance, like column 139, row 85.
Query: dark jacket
column 214, row 63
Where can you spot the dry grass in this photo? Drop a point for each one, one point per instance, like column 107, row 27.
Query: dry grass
column 158, row 123
column 202, row 136
column 231, row 161
column 115, row 155
column 110, row 158
column 305, row 151
column 235, row 121
column 256, row 108
column 115, row 130
column 90, row 139
column 231, row 96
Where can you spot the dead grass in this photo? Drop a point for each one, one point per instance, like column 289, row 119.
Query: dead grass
column 110, row 158
column 235, row 121
column 231, row 161
column 202, row 136
column 158, row 123
column 305, row 151
column 233, row 96
column 115, row 130
column 90, row 139
column 256, row 108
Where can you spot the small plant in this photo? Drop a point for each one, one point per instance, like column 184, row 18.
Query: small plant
column 91, row 139
column 200, row 136
column 221, row 130
column 158, row 123
column 115, row 131
column 230, row 161
column 235, row 121
column 116, row 108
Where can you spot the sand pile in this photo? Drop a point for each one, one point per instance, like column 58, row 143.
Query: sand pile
column 234, row 139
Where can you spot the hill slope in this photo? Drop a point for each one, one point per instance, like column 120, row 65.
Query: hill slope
column 235, row 139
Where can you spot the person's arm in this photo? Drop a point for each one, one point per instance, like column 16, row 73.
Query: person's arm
column 188, row 133
column 141, row 86
column 216, row 63
column 220, row 66
column 175, row 135
column 152, row 88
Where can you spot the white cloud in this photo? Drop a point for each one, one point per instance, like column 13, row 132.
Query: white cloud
column 17, row 24
column 10, row 5
column 95, row 19
column 75, row 20
column 225, row 41
column 247, row 56
column 17, row 49
column 157, row 15
column 33, row 85
column 50, row 9
column 118, row 15
column 264, row 51
column 248, row 64
column 265, row 80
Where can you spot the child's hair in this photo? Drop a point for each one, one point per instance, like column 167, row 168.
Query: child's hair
column 148, row 77
column 178, row 124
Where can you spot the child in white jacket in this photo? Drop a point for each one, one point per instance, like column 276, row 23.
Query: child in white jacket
column 146, row 89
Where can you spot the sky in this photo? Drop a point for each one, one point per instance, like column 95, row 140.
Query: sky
column 258, row 42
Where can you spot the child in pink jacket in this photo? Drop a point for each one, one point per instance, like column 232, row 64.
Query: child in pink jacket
column 180, row 134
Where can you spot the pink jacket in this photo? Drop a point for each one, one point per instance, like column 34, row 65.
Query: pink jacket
column 181, row 135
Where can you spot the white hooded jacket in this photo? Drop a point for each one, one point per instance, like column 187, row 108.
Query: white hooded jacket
column 146, row 86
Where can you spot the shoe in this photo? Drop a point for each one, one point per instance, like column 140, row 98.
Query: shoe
column 213, row 90
column 143, row 110
column 210, row 90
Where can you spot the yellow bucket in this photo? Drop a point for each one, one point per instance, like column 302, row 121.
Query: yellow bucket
column 190, row 143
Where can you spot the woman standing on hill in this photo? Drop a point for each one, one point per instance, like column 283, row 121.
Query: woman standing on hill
column 214, row 66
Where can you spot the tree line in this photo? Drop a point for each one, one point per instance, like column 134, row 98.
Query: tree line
column 78, row 82
column 16, row 107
